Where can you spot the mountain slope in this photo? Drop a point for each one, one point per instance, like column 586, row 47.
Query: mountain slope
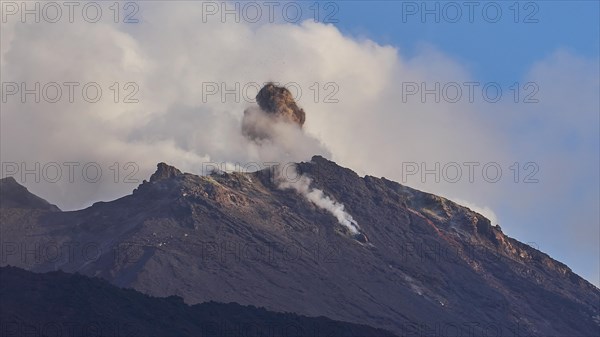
column 14, row 195
column 57, row 303
column 424, row 264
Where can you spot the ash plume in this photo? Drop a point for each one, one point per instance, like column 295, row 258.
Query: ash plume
column 276, row 127
column 275, row 105
column 279, row 101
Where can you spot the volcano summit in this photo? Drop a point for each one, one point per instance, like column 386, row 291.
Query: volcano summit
column 294, row 245
column 430, row 263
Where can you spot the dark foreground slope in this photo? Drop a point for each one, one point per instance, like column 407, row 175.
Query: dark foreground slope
column 429, row 267
column 61, row 304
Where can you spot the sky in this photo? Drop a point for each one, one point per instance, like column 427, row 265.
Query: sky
column 379, row 81
column 504, row 52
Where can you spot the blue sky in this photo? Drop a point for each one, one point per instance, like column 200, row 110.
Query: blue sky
column 499, row 51
column 502, row 52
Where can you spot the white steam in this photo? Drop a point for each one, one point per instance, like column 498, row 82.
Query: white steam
column 279, row 138
column 301, row 184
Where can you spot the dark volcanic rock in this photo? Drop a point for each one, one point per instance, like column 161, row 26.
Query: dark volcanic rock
column 164, row 171
column 75, row 305
column 361, row 237
column 429, row 264
column 14, row 195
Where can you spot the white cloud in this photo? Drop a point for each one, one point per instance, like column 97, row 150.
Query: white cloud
column 171, row 53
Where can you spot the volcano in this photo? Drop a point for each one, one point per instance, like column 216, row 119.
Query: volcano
column 428, row 267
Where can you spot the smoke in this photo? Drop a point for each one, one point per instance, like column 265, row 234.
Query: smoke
column 483, row 210
column 317, row 197
column 276, row 104
column 269, row 139
column 279, row 101
column 275, row 127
